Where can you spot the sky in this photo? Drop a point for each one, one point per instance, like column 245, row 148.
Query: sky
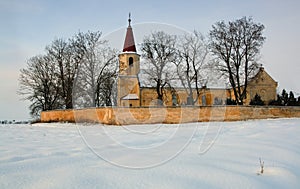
column 28, row 26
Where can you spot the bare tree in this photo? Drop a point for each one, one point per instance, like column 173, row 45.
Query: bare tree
column 38, row 83
column 67, row 55
column 83, row 61
column 192, row 55
column 97, row 70
column 236, row 46
column 106, row 92
column 159, row 51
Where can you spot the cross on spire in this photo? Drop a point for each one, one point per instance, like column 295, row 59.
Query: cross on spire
column 129, row 19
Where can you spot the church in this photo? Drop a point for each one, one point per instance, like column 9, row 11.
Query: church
column 132, row 92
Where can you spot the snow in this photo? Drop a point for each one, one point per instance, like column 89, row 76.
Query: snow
column 194, row 155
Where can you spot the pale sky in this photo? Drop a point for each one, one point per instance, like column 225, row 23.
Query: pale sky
column 27, row 26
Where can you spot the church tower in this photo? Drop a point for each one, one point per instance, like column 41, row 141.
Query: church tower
column 129, row 68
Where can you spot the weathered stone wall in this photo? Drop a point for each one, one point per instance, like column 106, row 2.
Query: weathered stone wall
column 150, row 115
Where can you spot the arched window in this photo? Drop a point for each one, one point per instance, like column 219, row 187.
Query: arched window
column 130, row 61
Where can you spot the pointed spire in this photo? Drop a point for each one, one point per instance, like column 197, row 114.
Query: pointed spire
column 129, row 45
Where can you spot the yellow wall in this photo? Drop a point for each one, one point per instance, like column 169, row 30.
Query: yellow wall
column 124, row 116
column 262, row 84
column 125, row 68
column 210, row 96
column 128, row 85
column 149, row 97
column 130, row 103
column 206, row 97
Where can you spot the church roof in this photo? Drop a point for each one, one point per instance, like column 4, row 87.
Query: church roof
column 130, row 97
column 129, row 45
column 260, row 77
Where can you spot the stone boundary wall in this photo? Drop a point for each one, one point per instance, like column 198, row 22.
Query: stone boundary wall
column 170, row 115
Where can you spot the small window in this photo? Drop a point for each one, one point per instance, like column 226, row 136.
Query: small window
column 130, row 105
column 130, row 61
column 203, row 100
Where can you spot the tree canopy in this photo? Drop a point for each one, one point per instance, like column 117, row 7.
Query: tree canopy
column 236, row 46
column 74, row 73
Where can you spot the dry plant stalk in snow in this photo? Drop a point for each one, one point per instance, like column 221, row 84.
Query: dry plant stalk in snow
column 261, row 166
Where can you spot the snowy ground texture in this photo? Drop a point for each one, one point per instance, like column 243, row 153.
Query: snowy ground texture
column 195, row 155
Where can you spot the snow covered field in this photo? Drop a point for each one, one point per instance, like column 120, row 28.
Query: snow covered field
column 195, row 155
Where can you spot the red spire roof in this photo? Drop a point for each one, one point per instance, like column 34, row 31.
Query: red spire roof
column 129, row 45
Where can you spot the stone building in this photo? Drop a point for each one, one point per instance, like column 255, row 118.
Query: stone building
column 133, row 93
column 262, row 84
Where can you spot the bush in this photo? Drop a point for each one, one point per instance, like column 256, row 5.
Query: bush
column 229, row 101
column 257, row 101
column 285, row 99
column 275, row 103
